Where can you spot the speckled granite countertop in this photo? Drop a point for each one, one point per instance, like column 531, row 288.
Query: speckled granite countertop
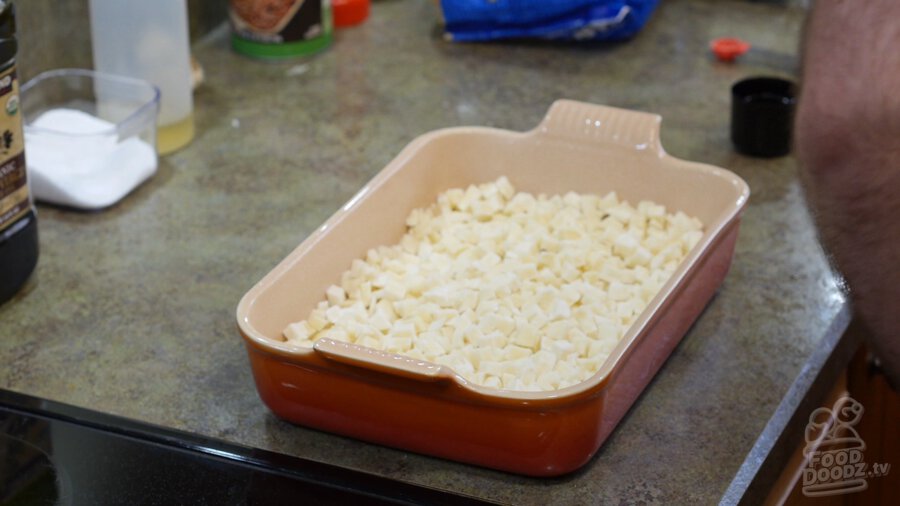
column 131, row 310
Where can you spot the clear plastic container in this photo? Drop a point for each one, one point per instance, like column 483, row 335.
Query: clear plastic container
column 98, row 159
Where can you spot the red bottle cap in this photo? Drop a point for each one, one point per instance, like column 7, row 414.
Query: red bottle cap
column 349, row 12
column 728, row 48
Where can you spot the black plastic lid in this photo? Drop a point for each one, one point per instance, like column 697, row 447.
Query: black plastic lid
column 762, row 115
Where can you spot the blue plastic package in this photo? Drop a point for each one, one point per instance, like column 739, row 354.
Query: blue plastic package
column 579, row 20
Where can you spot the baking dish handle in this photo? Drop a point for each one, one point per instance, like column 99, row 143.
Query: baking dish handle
column 569, row 119
column 377, row 360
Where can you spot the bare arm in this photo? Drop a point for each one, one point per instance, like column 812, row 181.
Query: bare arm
column 848, row 146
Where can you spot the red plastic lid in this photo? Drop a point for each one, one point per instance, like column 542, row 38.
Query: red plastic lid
column 728, row 48
column 349, row 12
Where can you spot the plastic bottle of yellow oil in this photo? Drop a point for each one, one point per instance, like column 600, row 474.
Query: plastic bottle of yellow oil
column 149, row 41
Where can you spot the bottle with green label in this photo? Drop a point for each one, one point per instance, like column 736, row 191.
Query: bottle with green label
column 18, row 223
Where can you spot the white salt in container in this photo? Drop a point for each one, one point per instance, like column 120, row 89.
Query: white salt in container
column 89, row 137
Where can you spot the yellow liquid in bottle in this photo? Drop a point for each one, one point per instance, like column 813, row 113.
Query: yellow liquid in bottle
column 174, row 135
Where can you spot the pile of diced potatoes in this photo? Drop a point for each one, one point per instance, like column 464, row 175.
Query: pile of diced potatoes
column 508, row 289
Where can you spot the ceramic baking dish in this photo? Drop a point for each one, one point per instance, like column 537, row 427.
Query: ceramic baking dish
column 423, row 407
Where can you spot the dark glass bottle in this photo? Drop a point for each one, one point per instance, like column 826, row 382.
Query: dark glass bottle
column 18, row 223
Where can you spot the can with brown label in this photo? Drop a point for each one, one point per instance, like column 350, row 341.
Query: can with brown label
column 276, row 29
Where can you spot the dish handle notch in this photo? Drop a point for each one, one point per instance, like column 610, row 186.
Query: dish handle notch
column 379, row 361
column 579, row 121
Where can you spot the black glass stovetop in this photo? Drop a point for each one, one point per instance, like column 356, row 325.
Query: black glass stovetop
column 53, row 453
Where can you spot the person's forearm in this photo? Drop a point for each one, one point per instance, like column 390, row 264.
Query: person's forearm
column 848, row 146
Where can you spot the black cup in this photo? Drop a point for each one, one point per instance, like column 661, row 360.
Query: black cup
column 762, row 115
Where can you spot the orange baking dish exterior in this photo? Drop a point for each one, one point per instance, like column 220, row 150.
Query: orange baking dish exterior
column 427, row 408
